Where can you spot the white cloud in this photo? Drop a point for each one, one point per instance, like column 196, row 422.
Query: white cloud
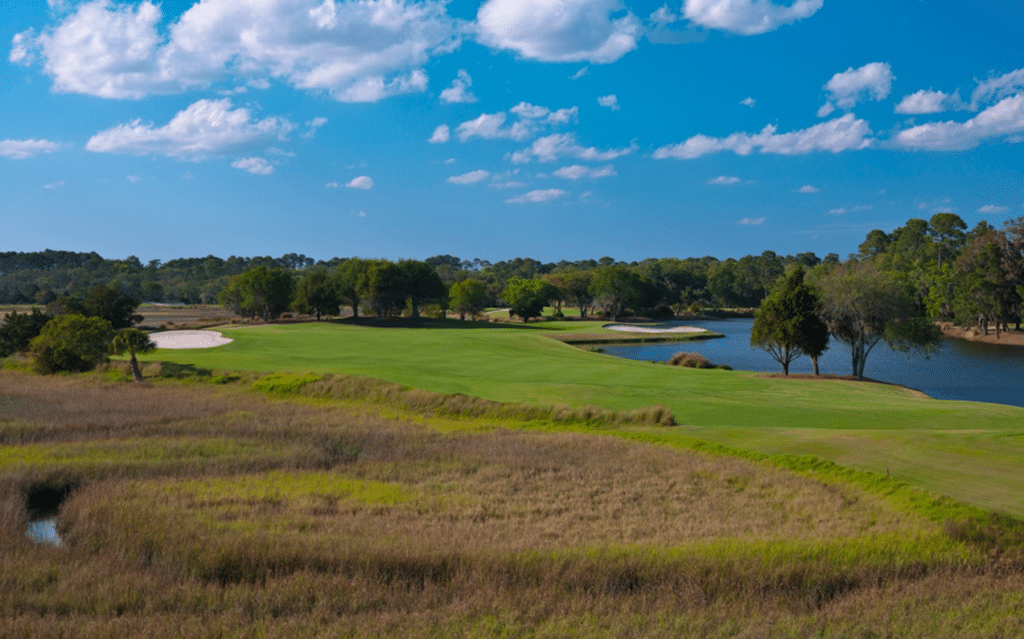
column 53, row 185
column 133, row 178
column 924, row 102
column 552, row 147
column 577, row 171
column 512, row 184
column 256, row 166
column 841, row 134
column 313, row 125
column 563, row 116
column 807, row 188
column 609, row 101
column 579, row 74
column 441, row 135
column 357, row 51
column 747, row 17
column 724, row 180
column 559, row 30
column 332, row 185
column 545, row 195
column 992, row 208
column 489, row 127
column 751, row 221
column 204, row 128
column 748, row 102
column 470, row 178
column 22, row 149
column 459, row 91
column 994, row 88
column 846, row 89
column 1004, row 118
column 362, row 182
column 529, row 111
column 838, row 211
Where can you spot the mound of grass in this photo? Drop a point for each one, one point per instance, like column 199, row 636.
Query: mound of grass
column 694, row 360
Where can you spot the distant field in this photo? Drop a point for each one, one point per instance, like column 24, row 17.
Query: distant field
column 970, row 451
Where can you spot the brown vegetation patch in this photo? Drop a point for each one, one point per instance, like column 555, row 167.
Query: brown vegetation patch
column 1011, row 337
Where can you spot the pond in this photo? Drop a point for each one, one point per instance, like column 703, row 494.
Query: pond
column 962, row 370
column 43, row 531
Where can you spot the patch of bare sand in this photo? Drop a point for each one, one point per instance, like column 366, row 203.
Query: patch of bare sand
column 1011, row 337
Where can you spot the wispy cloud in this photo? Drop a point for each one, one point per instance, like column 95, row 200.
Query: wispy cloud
column 552, row 147
column 53, row 185
column 256, row 166
column 609, row 102
column 441, row 135
column 577, row 171
column 751, row 221
column 724, row 180
column 807, row 188
column 23, row 149
column 993, row 208
column 362, row 182
column 470, row 178
column 545, row 195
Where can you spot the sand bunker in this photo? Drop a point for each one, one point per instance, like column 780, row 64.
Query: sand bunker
column 653, row 328
column 189, row 339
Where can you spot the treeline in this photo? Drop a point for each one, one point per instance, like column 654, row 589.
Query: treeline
column 666, row 283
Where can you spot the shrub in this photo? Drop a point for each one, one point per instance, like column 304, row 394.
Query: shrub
column 72, row 343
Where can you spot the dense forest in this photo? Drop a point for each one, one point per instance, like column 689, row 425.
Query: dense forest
column 949, row 272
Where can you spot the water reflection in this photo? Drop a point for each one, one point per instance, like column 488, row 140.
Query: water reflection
column 43, row 531
column 962, row 370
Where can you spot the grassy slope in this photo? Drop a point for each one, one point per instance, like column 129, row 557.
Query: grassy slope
column 969, row 451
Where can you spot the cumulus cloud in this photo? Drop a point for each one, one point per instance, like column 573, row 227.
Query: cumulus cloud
column 458, row 90
column 724, row 180
column 441, row 135
column 748, row 102
column 842, row 134
column 490, row 126
column 609, row 102
column 846, row 89
column 256, row 166
column 357, row 51
column 544, row 195
column 747, row 17
column 992, row 208
column 207, row 127
column 22, row 149
column 552, row 147
column 751, row 221
column 559, row 30
column 924, row 102
column 1004, row 118
column 996, row 88
column 577, row 171
column 362, row 182
column 470, row 178
column 807, row 188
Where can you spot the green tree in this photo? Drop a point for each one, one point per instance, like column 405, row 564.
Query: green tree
column 259, row 292
column 18, row 330
column 316, row 292
column 72, row 343
column 615, row 287
column 575, row 285
column 422, row 283
column 352, row 279
column 468, row 297
column 787, row 324
column 948, row 233
column 863, row 305
column 386, row 288
column 134, row 342
column 527, row 298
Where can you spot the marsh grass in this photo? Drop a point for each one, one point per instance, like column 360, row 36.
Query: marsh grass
column 232, row 513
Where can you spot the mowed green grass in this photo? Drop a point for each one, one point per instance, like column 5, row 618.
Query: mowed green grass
column 967, row 450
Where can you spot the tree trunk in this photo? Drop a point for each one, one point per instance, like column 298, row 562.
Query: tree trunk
column 815, row 361
column 355, row 309
column 785, row 368
column 136, row 373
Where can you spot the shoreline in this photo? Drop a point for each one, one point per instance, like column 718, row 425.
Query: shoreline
column 1011, row 337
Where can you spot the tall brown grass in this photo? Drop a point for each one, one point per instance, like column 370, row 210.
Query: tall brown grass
column 497, row 532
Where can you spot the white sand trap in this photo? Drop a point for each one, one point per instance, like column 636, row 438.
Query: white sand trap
column 653, row 328
column 189, row 339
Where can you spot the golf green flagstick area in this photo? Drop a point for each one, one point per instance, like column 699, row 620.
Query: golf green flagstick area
column 969, row 451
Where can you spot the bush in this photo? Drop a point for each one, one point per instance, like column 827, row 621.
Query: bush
column 694, row 360
column 72, row 343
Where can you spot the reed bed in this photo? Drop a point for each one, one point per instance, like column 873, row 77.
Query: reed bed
column 197, row 511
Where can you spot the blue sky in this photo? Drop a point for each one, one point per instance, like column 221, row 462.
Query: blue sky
column 552, row 129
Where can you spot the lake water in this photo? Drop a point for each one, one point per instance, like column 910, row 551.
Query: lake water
column 962, row 370
column 44, row 531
